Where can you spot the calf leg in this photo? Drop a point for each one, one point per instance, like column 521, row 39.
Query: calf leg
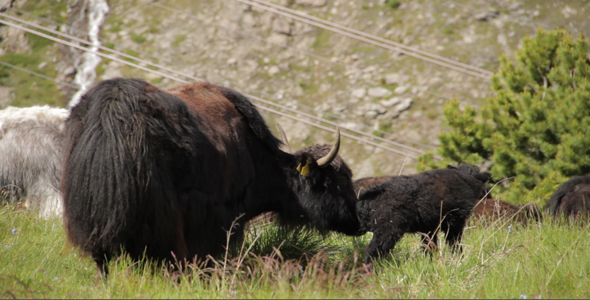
column 384, row 239
column 455, row 234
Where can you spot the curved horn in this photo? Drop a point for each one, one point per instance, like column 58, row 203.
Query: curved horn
column 326, row 160
column 284, row 138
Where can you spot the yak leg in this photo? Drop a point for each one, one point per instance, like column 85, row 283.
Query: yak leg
column 101, row 263
column 384, row 239
column 455, row 234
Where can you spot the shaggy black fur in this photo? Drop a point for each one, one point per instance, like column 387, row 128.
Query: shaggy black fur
column 362, row 184
column 428, row 202
column 572, row 198
column 166, row 173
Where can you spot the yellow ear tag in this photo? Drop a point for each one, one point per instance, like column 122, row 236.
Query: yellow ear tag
column 303, row 170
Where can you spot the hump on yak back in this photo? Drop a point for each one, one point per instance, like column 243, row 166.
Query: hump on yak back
column 572, row 198
column 31, row 154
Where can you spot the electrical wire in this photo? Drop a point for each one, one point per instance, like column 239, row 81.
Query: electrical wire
column 73, row 86
column 180, row 80
column 213, row 75
column 376, row 41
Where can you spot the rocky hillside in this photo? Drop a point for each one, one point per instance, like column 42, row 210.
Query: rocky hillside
column 305, row 69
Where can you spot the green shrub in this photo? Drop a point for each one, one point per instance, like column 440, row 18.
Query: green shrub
column 534, row 129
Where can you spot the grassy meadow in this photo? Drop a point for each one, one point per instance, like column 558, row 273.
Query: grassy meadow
column 501, row 259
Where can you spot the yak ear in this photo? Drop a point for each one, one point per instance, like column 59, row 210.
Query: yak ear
column 304, row 168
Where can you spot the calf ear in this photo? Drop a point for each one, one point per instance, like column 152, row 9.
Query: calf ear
column 483, row 176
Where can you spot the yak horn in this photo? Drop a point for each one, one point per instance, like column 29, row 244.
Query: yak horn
column 326, row 160
column 284, row 138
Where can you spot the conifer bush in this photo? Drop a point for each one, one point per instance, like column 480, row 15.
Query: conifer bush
column 534, row 132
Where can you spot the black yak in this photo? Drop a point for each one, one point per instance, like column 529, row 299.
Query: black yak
column 572, row 198
column 426, row 203
column 494, row 209
column 167, row 173
column 31, row 155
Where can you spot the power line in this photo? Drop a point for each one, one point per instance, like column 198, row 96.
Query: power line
column 298, row 50
column 375, row 37
column 259, row 106
column 99, row 47
column 73, row 86
column 250, row 96
column 371, row 39
column 361, row 33
column 83, row 32
column 213, row 75
column 86, row 49
column 199, row 79
column 246, row 33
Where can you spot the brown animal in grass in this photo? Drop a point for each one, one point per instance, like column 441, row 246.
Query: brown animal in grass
column 493, row 209
column 572, row 199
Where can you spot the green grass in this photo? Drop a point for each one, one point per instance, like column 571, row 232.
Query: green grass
column 393, row 4
column 178, row 40
column 500, row 260
column 30, row 89
column 308, row 87
column 138, row 38
column 322, row 39
column 447, row 31
column 49, row 9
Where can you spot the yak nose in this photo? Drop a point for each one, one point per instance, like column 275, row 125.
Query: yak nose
column 361, row 231
column 357, row 230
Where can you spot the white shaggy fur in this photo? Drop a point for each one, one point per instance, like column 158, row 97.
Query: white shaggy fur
column 31, row 156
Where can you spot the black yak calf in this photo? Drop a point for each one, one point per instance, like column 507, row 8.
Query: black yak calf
column 426, row 203
column 169, row 173
column 362, row 184
column 31, row 157
column 572, row 198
